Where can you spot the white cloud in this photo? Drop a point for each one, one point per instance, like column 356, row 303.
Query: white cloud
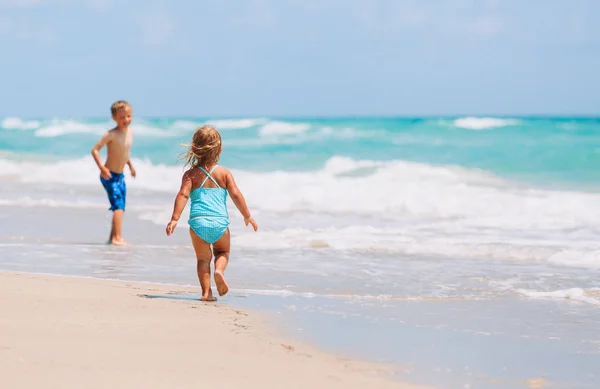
column 157, row 28
column 515, row 22
column 255, row 13
column 100, row 5
column 27, row 33
column 24, row 32
column 456, row 20
column 97, row 5
column 488, row 26
column 5, row 25
column 579, row 26
column 20, row 3
column 32, row 33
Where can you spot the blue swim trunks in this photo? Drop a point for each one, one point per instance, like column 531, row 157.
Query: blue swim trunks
column 116, row 190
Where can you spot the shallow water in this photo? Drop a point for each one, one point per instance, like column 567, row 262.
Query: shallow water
column 448, row 321
column 465, row 248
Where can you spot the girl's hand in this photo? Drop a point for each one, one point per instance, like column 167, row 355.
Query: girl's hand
column 171, row 227
column 249, row 220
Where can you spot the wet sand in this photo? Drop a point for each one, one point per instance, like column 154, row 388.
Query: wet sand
column 68, row 332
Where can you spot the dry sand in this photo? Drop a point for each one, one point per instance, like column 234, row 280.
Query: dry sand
column 65, row 332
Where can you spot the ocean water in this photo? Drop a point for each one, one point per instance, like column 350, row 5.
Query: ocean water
column 483, row 229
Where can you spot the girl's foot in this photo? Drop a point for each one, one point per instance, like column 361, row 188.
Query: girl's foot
column 209, row 297
column 119, row 242
column 222, row 287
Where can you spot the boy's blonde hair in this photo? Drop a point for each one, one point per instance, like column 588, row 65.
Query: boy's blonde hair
column 205, row 148
column 118, row 105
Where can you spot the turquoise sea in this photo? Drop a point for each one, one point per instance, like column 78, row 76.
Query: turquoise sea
column 465, row 247
column 542, row 150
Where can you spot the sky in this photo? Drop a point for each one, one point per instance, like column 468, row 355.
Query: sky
column 233, row 58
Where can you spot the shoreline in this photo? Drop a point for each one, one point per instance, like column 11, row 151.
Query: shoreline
column 65, row 330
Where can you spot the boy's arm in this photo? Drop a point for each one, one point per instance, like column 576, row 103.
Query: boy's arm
column 180, row 201
column 131, row 169
column 96, row 154
column 238, row 200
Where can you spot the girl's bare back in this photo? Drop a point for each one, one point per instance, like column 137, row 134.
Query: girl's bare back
column 197, row 176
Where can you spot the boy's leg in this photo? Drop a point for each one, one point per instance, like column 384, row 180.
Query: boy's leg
column 112, row 230
column 116, row 191
column 119, row 198
column 107, row 185
column 221, row 249
column 203, row 257
column 117, row 223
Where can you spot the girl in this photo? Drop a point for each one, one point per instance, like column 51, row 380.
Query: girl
column 208, row 184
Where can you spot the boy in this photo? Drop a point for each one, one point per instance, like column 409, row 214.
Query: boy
column 118, row 143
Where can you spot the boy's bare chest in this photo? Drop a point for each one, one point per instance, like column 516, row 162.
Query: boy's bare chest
column 122, row 142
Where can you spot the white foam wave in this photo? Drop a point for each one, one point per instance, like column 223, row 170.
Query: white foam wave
column 12, row 123
column 31, row 202
column 83, row 171
column 59, row 127
column 577, row 258
column 63, row 127
column 271, row 132
column 317, row 135
column 184, row 125
column 407, row 240
column 343, row 185
column 283, row 128
column 235, row 124
column 66, row 127
column 576, row 294
column 147, row 130
column 414, row 208
column 288, row 293
column 483, row 123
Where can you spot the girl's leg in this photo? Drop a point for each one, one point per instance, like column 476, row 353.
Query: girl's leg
column 203, row 257
column 221, row 250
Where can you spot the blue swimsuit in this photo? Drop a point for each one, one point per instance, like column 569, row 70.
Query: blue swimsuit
column 116, row 190
column 209, row 218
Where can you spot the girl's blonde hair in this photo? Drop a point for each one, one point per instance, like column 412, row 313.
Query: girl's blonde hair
column 205, row 148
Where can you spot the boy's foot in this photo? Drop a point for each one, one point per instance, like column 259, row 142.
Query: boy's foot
column 222, row 287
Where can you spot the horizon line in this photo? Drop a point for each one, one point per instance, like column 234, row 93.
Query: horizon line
column 331, row 116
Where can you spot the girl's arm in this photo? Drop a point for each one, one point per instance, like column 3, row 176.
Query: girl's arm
column 180, row 201
column 238, row 200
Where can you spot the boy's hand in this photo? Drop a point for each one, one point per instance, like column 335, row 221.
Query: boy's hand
column 105, row 173
column 133, row 173
column 171, row 227
column 249, row 220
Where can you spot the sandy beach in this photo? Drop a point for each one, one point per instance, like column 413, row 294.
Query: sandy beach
column 67, row 332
